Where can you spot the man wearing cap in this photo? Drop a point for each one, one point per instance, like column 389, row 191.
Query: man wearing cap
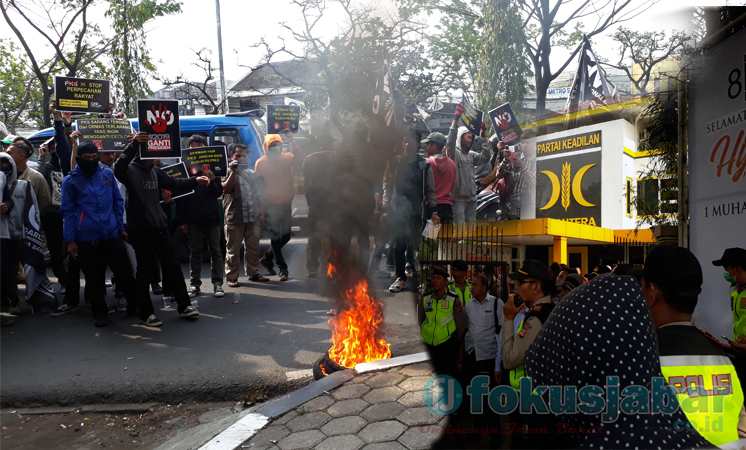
column 442, row 322
column 460, row 285
column 570, row 282
column 444, row 175
column 733, row 262
column 92, row 208
column 691, row 360
column 21, row 152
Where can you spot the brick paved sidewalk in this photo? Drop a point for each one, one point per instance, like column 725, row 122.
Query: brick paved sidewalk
column 372, row 411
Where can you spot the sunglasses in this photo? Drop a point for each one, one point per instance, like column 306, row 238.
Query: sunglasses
column 520, row 282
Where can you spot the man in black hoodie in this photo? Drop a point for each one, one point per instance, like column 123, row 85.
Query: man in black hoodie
column 147, row 223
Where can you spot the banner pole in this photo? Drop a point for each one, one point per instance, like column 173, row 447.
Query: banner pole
column 220, row 57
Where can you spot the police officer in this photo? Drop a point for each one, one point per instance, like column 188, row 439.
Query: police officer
column 733, row 262
column 671, row 283
column 442, row 322
column 533, row 286
column 460, row 285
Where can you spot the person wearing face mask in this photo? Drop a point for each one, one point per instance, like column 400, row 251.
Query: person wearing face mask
column 733, row 263
column 91, row 209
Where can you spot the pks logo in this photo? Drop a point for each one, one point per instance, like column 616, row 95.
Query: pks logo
column 99, row 144
column 160, row 119
column 567, row 182
column 69, row 83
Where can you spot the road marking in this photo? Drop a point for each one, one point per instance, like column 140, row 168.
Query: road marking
column 237, row 433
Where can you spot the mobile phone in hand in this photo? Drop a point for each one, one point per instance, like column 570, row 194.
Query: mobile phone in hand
column 729, row 341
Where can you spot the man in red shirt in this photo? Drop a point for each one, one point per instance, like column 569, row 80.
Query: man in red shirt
column 444, row 175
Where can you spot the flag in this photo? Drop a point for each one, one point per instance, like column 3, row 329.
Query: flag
column 436, row 105
column 423, row 113
column 589, row 88
column 39, row 290
column 383, row 101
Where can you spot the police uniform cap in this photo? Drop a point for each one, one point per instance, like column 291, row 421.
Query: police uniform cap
column 440, row 270
column 460, row 264
column 673, row 268
column 531, row 269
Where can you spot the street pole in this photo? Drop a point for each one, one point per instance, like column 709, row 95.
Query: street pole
column 220, row 57
column 683, row 173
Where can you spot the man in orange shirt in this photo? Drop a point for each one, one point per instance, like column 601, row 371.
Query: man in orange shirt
column 276, row 169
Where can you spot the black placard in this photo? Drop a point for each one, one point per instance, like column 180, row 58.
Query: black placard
column 282, row 118
column 506, row 125
column 177, row 170
column 81, row 94
column 109, row 135
column 199, row 159
column 160, row 119
column 471, row 117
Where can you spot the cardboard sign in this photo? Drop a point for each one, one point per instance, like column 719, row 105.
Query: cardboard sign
column 282, row 118
column 109, row 135
column 81, row 94
column 472, row 117
column 177, row 170
column 160, row 119
column 199, row 159
column 506, row 125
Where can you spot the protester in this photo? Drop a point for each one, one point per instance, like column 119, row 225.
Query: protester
column 444, row 175
column 92, row 210
column 566, row 285
column 200, row 219
column 459, row 149
column 733, row 262
column 21, row 152
column 276, row 169
column 460, row 285
column 245, row 214
column 15, row 195
column 408, row 196
column 147, row 223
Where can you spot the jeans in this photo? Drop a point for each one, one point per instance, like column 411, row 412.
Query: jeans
column 195, row 234
column 149, row 243
column 465, row 212
column 52, row 223
column 235, row 234
column 279, row 218
column 93, row 258
column 406, row 234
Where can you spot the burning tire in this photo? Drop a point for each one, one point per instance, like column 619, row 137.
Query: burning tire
column 330, row 365
column 318, row 369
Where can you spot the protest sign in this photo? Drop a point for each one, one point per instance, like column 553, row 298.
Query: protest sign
column 109, row 135
column 160, row 119
column 506, row 125
column 282, row 118
column 177, row 170
column 199, row 159
column 471, row 117
column 81, row 94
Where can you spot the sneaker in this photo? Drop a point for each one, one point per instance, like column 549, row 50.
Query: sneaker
column 122, row 305
column 410, row 271
column 108, row 283
column 218, row 290
column 267, row 266
column 312, row 274
column 100, row 320
column 194, row 291
column 15, row 310
column 189, row 311
column 398, row 285
column 157, row 289
column 112, row 309
column 63, row 289
column 283, row 275
column 152, row 321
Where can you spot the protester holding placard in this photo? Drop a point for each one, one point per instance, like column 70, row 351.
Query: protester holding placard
column 148, row 224
column 464, row 195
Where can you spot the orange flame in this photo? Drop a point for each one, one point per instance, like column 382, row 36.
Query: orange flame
column 355, row 335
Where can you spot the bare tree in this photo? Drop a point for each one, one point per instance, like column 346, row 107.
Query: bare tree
column 206, row 92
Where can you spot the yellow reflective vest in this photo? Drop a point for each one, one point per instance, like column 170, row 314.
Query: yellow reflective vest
column 464, row 295
column 738, row 301
column 520, row 371
column 709, row 393
column 439, row 323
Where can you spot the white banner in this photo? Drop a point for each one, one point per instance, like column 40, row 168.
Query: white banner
column 717, row 167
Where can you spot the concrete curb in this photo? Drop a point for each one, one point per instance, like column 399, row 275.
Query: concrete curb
column 104, row 408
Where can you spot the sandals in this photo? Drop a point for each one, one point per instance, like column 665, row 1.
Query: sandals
column 233, row 283
column 259, row 278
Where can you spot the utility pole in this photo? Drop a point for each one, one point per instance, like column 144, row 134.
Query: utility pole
column 682, row 163
column 220, row 57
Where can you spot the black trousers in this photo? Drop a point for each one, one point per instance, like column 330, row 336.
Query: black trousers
column 93, row 258
column 52, row 223
column 149, row 243
column 10, row 253
column 444, row 356
column 472, row 368
column 445, row 212
column 407, row 232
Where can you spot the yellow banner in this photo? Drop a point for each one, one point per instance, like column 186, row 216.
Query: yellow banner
column 73, row 103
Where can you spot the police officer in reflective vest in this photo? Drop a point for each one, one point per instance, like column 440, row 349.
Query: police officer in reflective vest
column 692, row 360
column 460, row 285
column 734, row 272
column 442, row 322
column 532, row 285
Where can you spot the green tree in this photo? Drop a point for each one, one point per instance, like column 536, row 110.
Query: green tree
column 20, row 96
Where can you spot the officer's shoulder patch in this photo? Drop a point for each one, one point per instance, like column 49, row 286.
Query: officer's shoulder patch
column 537, row 308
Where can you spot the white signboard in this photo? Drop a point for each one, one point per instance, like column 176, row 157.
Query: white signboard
column 717, row 167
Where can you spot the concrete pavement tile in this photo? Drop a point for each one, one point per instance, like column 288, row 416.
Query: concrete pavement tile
column 287, row 417
column 350, row 391
column 304, row 439
column 419, row 416
column 391, row 445
column 343, row 425
column 423, row 369
column 362, row 378
column 382, row 411
column 382, row 395
column 415, row 439
column 308, row 421
column 347, row 407
column 317, row 404
column 382, row 431
column 414, row 384
column 348, row 442
column 273, row 433
column 412, row 399
column 384, row 380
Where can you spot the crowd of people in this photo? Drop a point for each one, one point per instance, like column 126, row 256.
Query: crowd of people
column 559, row 328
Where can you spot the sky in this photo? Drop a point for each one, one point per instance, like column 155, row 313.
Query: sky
column 245, row 22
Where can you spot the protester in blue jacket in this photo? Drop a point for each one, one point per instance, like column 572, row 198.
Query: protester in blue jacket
column 92, row 210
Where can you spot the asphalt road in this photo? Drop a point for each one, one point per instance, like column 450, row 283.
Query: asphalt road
column 269, row 339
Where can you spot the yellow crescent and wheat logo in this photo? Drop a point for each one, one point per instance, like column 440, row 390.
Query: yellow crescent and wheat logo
column 568, row 184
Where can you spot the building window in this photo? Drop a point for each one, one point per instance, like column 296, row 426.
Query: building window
column 629, row 194
column 657, row 196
